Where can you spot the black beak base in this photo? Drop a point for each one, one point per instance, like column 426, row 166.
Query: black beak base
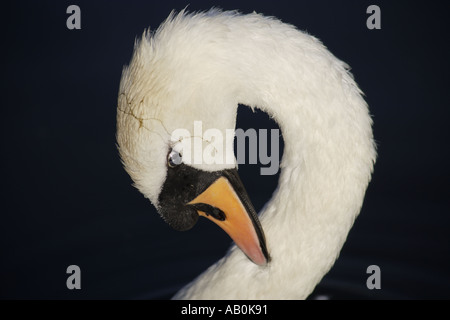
column 184, row 183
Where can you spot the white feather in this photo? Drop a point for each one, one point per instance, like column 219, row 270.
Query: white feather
column 199, row 67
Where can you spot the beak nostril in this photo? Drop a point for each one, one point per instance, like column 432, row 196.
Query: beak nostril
column 209, row 210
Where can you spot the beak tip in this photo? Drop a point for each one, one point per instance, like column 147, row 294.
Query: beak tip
column 256, row 256
column 262, row 264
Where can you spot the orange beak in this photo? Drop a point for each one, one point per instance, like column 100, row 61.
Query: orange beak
column 237, row 217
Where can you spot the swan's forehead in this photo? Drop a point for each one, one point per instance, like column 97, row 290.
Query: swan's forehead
column 148, row 128
column 196, row 119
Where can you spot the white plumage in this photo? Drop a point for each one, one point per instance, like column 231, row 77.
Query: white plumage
column 200, row 67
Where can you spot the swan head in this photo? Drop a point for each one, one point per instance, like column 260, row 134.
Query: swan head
column 175, row 131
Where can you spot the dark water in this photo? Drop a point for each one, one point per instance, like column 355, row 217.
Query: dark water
column 66, row 199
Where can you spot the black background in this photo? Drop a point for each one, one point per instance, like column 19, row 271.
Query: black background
column 66, row 199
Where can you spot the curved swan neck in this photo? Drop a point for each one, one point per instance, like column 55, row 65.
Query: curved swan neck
column 327, row 161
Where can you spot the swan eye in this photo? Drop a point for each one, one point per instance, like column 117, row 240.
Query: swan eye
column 173, row 159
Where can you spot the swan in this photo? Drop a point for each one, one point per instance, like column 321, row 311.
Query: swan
column 199, row 67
